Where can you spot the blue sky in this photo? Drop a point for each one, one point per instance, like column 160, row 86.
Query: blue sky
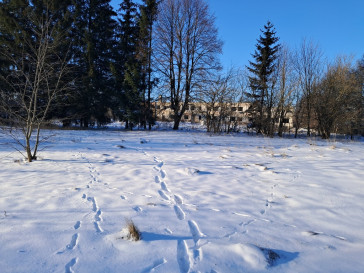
column 336, row 25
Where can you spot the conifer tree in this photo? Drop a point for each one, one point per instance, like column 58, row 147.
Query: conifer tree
column 147, row 17
column 260, row 79
column 127, row 67
column 94, row 39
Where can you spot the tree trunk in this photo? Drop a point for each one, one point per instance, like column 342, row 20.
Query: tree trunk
column 29, row 151
column 177, row 120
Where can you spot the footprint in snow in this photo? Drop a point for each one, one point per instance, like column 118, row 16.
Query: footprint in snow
column 179, row 212
column 197, row 254
column 77, row 225
column 178, row 199
column 183, row 257
column 73, row 242
column 163, row 195
column 138, row 209
column 97, row 227
column 94, row 204
column 195, row 231
column 164, row 187
column 98, row 216
column 157, row 179
column 68, row 267
column 163, row 174
column 159, row 162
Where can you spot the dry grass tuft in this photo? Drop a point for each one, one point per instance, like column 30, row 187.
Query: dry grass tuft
column 133, row 233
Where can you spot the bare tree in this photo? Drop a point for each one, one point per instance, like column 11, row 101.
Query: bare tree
column 186, row 50
column 286, row 86
column 337, row 98
column 218, row 98
column 37, row 77
column 308, row 66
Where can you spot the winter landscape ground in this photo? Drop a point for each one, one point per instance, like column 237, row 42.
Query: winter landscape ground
column 203, row 203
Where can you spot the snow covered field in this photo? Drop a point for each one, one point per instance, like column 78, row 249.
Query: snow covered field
column 203, row 203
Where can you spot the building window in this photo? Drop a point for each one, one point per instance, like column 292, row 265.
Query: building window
column 232, row 118
column 185, row 117
column 286, row 120
column 233, row 109
column 240, row 109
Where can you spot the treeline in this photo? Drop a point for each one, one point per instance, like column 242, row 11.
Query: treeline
column 76, row 61
column 320, row 96
column 81, row 61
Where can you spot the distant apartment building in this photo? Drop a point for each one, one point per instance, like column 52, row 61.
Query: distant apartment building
column 198, row 112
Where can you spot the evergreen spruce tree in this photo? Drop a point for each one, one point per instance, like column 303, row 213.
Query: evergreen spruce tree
column 14, row 26
column 148, row 16
column 94, row 42
column 260, row 79
column 127, row 68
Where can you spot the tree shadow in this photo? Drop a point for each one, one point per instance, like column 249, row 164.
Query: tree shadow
column 150, row 236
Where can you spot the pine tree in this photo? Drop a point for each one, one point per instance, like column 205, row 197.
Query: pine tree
column 260, row 80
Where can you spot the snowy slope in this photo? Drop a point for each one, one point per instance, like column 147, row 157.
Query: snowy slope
column 203, row 204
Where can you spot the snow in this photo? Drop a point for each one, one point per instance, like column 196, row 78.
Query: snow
column 203, row 203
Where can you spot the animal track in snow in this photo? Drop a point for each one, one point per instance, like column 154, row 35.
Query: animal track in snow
column 98, row 216
column 178, row 199
column 138, row 209
column 77, row 225
column 183, row 257
column 163, row 195
column 164, row 187
column 195, row 231
column 157, row 179
column 179, row 212
column 163, row 174
column 159, row 162
column 123, row 197
column 97, row 227
column 197, row 254
column 94, row 204
column 73, row 242
column 68, row 267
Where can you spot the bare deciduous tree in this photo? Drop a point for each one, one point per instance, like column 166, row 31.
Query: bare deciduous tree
column 36, row 78
column 286, row 86
column 308, row 66
column 186, row 50
column 218, row 98
column 337, row 98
